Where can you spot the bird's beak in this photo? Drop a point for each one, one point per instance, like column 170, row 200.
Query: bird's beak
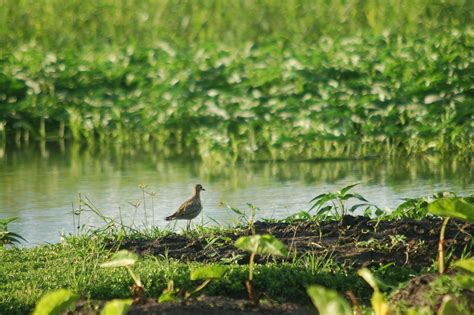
column 203, row 189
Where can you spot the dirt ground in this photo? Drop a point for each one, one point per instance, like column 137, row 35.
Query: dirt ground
column 353, row 241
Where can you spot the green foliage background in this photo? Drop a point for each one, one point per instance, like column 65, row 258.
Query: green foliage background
column 242, row 79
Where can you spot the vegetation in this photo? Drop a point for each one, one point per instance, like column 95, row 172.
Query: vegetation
column 77, row 265
column 258, row 94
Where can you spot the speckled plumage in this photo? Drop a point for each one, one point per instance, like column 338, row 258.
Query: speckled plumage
column 190, row 208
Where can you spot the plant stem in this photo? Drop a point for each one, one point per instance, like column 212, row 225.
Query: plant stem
column 251, row 266
column 441, row 246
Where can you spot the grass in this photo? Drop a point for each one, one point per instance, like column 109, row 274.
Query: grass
column 27, row 274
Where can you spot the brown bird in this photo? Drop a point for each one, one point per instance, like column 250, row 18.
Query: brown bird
column 190, row 208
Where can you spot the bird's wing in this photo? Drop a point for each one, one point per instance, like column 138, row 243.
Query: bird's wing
column 184, row 206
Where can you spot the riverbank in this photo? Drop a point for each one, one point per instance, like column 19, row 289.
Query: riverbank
column 327, row 253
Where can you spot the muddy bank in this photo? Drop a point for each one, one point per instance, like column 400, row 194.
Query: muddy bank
column 353, row 241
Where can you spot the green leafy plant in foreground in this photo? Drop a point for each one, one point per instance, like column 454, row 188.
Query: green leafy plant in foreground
column 126, row 259
column 207, row 274
column 117, row 307
column 449, row 208
column 7, row 237
column 259, row 245
column 335, row 203
column 56, row 302
column 466, row 279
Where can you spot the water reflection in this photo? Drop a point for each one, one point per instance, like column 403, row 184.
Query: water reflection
column 39, row 183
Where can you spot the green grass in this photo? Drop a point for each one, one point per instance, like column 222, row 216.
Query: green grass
column 27, row 274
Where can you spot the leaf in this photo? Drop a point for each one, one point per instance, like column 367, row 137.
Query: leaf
column 466, row 265
column 56, row 302
column 262, row 244
column 328, row 302
column 354, row 195
column 7, row 221
column 465, row 281
column 167, row 297
column 318, row 197
column 117, row 307
column 448, row 306
column 379, row 305
column 347, row 188
column 369, row 278
column 354, row 207
column 208, row 272
column 121, row 258
column 452, row 207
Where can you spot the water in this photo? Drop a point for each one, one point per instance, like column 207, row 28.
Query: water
column 39, row 184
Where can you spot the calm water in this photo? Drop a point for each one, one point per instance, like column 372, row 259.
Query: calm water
column 39, row 184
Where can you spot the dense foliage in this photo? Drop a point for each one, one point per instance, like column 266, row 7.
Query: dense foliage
column 352, row 96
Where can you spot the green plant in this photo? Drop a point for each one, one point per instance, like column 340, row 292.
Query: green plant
column 116, row 307
column 126, row 259
column 207, row 274
column 8, row 237
column 328, row 302
column 243, row 218
column 259, row 245
column 56, row 302
column 337, row 201
column 466, row 279
column 379, row 305
column 449, row 208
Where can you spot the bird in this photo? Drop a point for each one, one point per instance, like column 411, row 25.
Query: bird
column 190, row 208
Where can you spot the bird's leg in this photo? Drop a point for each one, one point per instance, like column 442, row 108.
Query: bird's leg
column 188, row 226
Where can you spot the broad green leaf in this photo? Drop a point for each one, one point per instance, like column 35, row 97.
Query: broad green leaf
column 56, row 302
column 465, row 281
column 448, row 306
column 347, row 188
column 452, row 207
column 6, row 221
column 121, row 258
column 117, row 307
column 208, row 272
column 466, row 265
column 328, row 302
column 262, row 244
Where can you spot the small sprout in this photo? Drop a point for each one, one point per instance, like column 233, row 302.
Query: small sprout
column 328, row 302
column 206, row 273
column 127, row 259
column 117, row 307
column 56, row 302
column 449, row 208
column 7, row 237
column 259, row 244
column 169, row 294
